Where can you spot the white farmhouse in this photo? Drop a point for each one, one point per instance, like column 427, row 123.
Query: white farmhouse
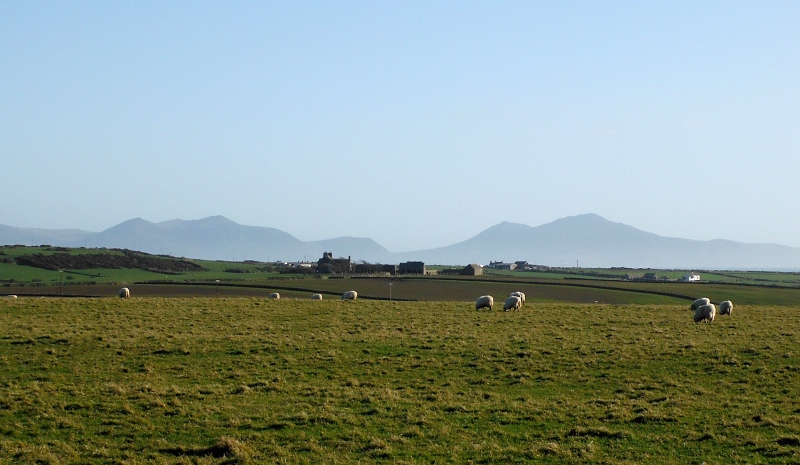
column 691, row 277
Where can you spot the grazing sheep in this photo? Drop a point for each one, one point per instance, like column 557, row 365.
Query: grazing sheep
column 519, row 294
column 726, row 308
column 12, row 296
column 484, row 301
column 316, row 297
column 350, row 295
column 275, row 295
column 124, row 293
column 512, row 303
column 705, row 313
column 699, row 302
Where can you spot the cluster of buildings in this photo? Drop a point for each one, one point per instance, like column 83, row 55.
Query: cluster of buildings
column 687, row 278
column 518, row 265
column 330, row 265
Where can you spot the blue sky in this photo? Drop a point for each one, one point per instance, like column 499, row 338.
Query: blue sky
column 417, row 124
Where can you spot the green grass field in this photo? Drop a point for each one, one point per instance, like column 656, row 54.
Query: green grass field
column 251, row 380
column 257, row 273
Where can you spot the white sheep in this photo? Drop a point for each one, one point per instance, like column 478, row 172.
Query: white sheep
column 512, row 303
column 350, row 295
column 316, row 297
column 124, row 293
column 519, row 294
column 726, row 308
column 275, row 295
column 705, row 313
column 484, row 301
column 699, row 302
column 12, row 296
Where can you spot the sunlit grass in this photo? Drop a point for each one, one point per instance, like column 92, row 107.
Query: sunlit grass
column 298, row 381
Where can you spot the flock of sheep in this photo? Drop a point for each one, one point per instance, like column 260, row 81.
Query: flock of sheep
column 349, row 295
column 514, row 301
column 125, row 293
column 704, row 309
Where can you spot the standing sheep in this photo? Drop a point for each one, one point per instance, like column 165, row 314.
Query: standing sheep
column 705, row 313
column 726, row 308
column 350, row 295
column 124, row 293
column 275, row 295
column 519, row 294
column 512, row 303
column 699, row 302
column 484, row 301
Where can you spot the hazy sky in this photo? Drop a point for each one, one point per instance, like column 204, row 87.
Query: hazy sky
column 417, row 124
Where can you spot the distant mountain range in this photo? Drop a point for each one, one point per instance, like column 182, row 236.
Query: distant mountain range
column 584, row 240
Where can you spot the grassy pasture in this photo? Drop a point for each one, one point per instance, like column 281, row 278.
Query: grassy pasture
column 372, row 288
column 255, row 272
column 249, row 380
column 434, row 289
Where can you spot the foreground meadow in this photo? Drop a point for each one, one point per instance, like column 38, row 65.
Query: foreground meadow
column 245, row 380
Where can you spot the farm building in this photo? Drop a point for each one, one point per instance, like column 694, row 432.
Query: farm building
column 411, row 268
column 691, row 277
column 472, row 270
column 522, row 265
column 374, row 269
column 469, row 270
column 328, row 264
column 391, row 269
column 502, row 266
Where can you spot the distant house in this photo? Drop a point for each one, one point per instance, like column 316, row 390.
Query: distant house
column 411, row 268
column 469, row 270
column 650, row 277
column 327, row 264
column 472, row 270
column 391, row 269
column 522, row 264
column 502, row 266
column 691, row 277
column 373, row 269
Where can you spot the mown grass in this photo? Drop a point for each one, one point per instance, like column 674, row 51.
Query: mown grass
column 247, row 380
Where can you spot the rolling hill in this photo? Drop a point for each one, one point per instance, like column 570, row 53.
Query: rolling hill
column 592, row 241
column 586, row 240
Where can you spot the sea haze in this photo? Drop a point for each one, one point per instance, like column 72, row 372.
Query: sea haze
column 587, row 240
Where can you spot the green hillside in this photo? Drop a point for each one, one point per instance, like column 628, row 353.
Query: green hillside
column 98, row 272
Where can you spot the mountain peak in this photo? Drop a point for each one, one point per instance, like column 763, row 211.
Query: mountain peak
column 588, row 239
column 584, row 218
column 133, row 223
column 217, row 219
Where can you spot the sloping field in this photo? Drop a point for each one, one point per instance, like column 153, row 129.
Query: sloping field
column 420, row 290
column 250, row 380
column 429, row 289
